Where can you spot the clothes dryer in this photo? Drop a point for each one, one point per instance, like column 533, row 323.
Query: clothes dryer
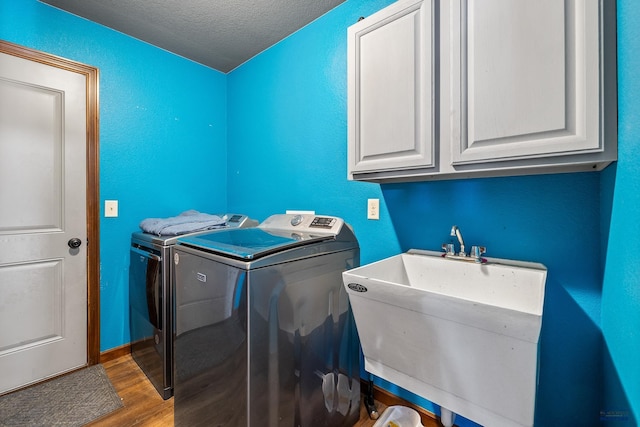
column 264, row 334
column 151, row 302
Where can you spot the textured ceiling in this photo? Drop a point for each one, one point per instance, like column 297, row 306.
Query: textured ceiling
column 220, row 34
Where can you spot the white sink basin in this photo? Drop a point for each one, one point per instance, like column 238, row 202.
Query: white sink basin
column 460, row 334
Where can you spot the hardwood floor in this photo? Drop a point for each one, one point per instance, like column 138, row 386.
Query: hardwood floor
column 143, row 406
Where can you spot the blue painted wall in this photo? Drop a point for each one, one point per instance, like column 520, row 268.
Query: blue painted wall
column 287, row 132
column 271, row 136
column 621, row 286
column 162, row 134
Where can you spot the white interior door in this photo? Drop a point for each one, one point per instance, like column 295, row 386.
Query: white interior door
column 43, row 280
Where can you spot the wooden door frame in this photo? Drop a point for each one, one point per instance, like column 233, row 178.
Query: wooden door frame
column 93, row 179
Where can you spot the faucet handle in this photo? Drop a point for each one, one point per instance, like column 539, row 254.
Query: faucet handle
column 477, row 251
column 449, row 248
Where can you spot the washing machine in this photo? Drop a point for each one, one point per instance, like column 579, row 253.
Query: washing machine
column 264, row 334
column 151, row 302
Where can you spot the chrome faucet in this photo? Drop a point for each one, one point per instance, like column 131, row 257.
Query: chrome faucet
column 450, row 251
column 455, row 232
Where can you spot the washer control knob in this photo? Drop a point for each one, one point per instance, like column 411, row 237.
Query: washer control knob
column 296, row 220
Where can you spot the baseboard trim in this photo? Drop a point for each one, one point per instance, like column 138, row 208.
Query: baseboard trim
column 114, row 353
column 389, row 399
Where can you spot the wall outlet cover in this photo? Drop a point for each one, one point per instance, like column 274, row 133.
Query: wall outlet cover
column 373, row 209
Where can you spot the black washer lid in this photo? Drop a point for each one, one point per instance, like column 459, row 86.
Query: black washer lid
column 251, row 243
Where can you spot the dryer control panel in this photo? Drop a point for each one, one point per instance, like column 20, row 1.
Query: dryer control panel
column 318, row 224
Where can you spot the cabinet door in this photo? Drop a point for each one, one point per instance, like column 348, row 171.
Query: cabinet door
column 390, row 65
column 525, row 79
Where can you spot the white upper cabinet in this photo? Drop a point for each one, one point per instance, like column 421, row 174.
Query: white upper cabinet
column 522, row 87
column 390, row 61
column 526, row 77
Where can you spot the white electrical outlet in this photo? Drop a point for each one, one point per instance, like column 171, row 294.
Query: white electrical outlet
column 110, row 208
column 373, row 209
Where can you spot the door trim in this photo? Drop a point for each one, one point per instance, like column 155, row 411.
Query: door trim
column 93, row 195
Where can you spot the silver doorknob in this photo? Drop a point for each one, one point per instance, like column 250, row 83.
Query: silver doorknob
column 74, row 243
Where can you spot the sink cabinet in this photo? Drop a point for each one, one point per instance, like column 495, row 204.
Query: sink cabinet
column 487, row 88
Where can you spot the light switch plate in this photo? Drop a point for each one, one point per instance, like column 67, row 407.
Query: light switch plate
column 110, row 208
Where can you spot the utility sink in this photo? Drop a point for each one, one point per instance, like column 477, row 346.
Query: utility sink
column 463, row 335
